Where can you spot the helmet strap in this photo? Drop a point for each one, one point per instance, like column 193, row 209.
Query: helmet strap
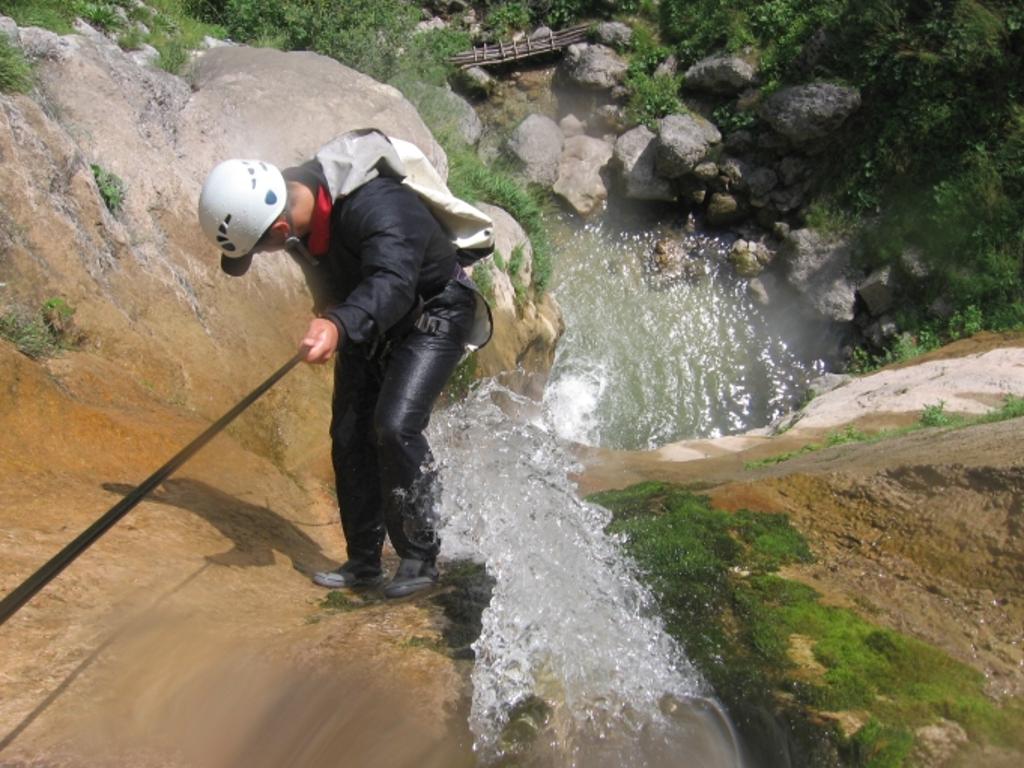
column 293, row 243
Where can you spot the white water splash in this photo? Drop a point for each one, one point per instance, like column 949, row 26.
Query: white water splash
column 568, row 621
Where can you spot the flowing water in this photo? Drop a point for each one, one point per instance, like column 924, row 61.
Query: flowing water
column 647, row 358
column 568, row 622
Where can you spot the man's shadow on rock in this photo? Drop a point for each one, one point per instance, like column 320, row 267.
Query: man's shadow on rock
column 255, row 531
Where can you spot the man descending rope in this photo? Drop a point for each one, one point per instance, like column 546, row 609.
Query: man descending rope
column 363, row 219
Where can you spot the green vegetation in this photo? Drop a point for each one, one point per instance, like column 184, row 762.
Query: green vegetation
column 938, row 170
column 470, row 178
column 932, row 416
column 15, row 71
column 173, row 29
column 111, row 187
column 44, row 332
column 743, row 626
column 651, row 96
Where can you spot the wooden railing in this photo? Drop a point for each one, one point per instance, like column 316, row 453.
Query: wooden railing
column 498, row 53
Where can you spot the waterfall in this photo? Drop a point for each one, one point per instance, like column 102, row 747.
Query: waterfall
column 568, row 621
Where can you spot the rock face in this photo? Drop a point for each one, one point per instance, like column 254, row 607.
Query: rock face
column 147, row 288
column 806, row 112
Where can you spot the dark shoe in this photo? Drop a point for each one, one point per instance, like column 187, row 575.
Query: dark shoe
column 351, row 575
column 412, row 576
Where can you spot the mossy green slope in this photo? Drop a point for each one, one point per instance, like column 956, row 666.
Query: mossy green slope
column 714, row 573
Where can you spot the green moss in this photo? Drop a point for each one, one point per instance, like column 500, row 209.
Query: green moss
column 714, row 574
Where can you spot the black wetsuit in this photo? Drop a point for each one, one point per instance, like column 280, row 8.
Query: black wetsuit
column 389, row 262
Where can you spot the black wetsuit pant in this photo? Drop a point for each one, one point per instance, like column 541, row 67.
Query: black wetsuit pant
column 382, row 404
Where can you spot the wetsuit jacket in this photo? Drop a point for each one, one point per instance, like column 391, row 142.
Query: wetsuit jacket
column 386, row 255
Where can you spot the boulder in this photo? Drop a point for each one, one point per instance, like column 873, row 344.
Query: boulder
column 683, row 141
column 634, row 158
column 537, row 144
column 614, row 34
column 725, row 209
column 572, row 126
column 9, row 29
column 593, row 66
column 725, row 75
column 819, row 268
column 475, row 81
column 749, row 257
column 803, row 113
column 579, row 173
column 877, row 291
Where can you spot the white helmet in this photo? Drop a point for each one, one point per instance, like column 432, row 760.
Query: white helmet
column 239, row 201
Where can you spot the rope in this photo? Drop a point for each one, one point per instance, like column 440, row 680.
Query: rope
column 52, row 568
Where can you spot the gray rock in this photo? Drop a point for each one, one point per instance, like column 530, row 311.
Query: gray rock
column 914, row 264
column 826, row 383
column 572, row 126
column 757, row 292
column 579, row 173
column 593, row 67
column 671, row 261
column 735, row 172
column 803, row 113
column 740, row 141
column 541, row 34
column 787, row 198
column 145, row 55
column 877, row 291
column 745, row 259
column 881, row 331
column 761, row 181
column 724, row 209
column 706, row 171
column 668, row 68
column 38, row 43
column 215, row 42
column 9, row 28
column 537, row 143
column 793, row 170
column 683, row 141
column 477, row 81
column 938, row 743
column 614, row 34
column 456, row 114
column 725, row 75
column 430, row 24
column 634, row 157
column 819, row 269
column 611, row 118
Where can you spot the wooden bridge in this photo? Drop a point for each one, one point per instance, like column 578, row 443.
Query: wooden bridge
column 499, row 53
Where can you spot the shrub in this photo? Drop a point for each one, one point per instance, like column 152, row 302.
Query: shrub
column 42, row 333
column 111, row 187
column 15, row 71
column 652, row 97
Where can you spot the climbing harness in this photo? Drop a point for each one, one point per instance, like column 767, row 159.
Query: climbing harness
column 24, row 592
